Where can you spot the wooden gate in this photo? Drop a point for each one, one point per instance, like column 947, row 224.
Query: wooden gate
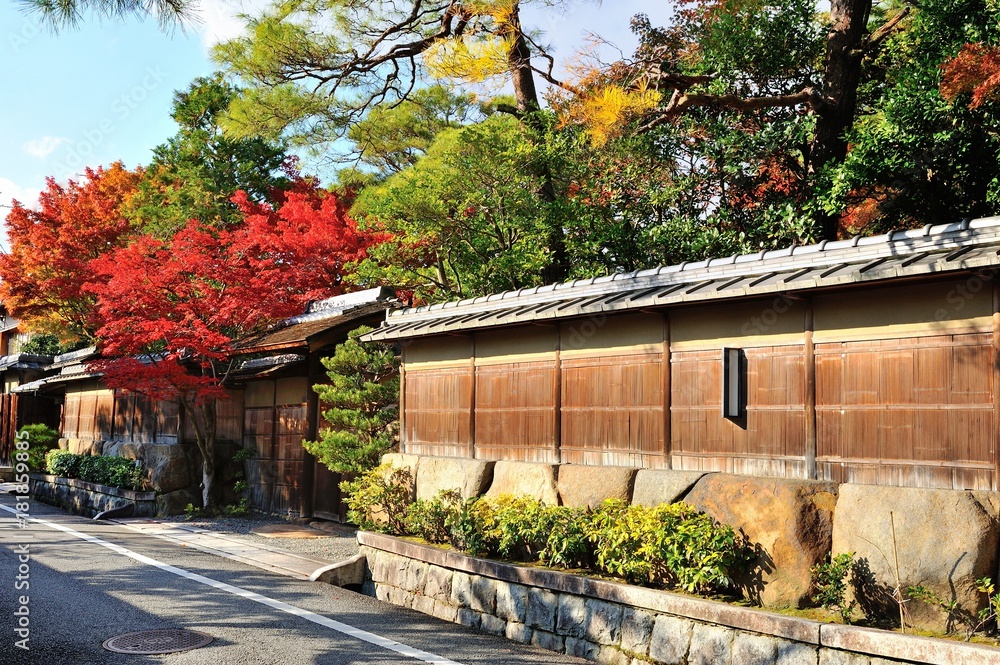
column 8, row 428
column 328, row 500
column 275, row 426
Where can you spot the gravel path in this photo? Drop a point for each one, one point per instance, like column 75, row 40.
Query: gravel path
column 337, row 542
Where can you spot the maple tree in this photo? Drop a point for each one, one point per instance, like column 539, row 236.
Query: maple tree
column 975, row 70
column 169, row 309
column 51, row 247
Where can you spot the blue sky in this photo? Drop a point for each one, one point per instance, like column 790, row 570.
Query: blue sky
column 102, row 93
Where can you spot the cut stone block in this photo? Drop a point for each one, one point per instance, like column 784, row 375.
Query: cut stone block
column 944, row 540
column 470, row 477
column 582, row 486
column 656, row 486
column 537, row 481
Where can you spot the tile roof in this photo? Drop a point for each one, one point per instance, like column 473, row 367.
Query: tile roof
column 322, row 316
column 967, row 245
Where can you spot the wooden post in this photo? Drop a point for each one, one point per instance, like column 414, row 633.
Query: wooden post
column 810, row 396
column 308, row 488
column 402, row 398
column 665, row 372
column 996, row 385
column 472, row 397
column 557, row 390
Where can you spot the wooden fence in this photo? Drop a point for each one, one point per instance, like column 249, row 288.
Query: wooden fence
column 837, row 387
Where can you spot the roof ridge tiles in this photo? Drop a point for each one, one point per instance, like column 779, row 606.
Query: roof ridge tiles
column 855, row 249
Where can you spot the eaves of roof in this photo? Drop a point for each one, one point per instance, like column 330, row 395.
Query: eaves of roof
column 965, row 246
column 25, row 361
column 300, row 333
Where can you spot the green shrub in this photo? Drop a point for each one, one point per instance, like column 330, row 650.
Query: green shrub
column 93, row 470
column 244, row 454
column 112, row 471
column 377, row 500
column 567, row 545
column 63, row 463
column 429, row 518
column 41, row 439
column 124, row 473
column 830, row 580
column 670, row 545
column 240, row 509
column 468, row 527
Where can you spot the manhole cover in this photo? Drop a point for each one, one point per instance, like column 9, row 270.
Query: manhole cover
column 170, row 640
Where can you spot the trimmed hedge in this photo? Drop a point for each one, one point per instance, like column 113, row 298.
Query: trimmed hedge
column 111, row 471
column 668, row 546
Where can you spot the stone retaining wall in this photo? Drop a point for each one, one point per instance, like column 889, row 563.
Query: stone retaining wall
column 619, row 624
column 88, row 499
column 945, row 540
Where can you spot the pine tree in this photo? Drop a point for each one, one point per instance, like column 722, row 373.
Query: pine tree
column 363, row 411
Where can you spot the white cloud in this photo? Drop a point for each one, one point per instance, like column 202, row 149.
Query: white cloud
column 219, row 19
column 44, row 146
column 10, row 190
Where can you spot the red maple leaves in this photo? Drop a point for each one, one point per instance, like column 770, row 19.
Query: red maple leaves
column 42, row 278
column 976, row 70
column 164, row 311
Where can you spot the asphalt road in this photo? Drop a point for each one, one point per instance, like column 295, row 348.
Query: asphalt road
column 81, row 592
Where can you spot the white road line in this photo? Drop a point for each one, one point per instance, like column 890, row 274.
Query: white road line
column 344, row 628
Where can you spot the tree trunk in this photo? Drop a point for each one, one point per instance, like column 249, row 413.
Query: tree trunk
column 526, row 94
column 842, row 76
column 204, row 434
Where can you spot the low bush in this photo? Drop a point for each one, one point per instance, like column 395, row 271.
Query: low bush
column 63, row 463
column 112, row 471
column 671, row 545
column 377, row 500
column 429, row 518
column 830, row 580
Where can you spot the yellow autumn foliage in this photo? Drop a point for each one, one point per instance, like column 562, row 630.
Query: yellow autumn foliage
column 468, row 59
column 603, row 110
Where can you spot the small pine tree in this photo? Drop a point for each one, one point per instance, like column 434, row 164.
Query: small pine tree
column 363, row 401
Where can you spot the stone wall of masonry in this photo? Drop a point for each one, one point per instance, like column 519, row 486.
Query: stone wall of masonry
column 614, row 623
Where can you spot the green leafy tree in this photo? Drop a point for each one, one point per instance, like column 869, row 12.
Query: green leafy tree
column 363, row 397
column 780, row 124
column 469, row 218
column 391, row 138
column 41, row 439
column 311, row 85
column 918, row 156
column 42, row 344
column 195, row 174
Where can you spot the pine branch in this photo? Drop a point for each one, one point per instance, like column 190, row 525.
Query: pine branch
column 680, row 102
